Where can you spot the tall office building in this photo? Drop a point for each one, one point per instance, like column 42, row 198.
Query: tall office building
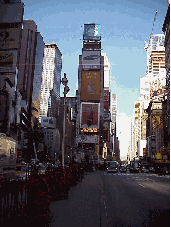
column 51, row 76
column 106, row 71
column 37, row 77
column 156, row 71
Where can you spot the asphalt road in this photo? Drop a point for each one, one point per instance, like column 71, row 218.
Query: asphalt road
column 115, row 199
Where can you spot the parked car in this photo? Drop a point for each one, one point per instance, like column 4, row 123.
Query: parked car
column 35, row 161
column 144, row 169
column 122, row 169
column 128, row 166
column 166, row 170
column 112, row 166
column 152, row 169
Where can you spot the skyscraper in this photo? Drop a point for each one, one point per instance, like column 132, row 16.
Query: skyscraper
column 156, row 71
column 51, row 76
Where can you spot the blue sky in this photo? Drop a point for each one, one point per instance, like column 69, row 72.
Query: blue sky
column 124, row 27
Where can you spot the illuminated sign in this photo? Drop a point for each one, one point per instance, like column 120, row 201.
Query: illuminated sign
column 106, row 100
column 107, row 116
column 91, row 32
column 8, row 61
column 91, row 59
column 87, row 139
column 90, row 85
column 90, row 130
column 90, row 115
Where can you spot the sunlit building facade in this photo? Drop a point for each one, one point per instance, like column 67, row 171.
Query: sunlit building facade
column 51, row 77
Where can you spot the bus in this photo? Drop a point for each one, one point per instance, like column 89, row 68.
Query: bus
column 134, row 166
column 112, row 166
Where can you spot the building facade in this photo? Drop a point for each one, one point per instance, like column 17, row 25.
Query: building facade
column 93, row 120
column 51, row 77
column 37, row 78
column 11, row 21
column 166, row 30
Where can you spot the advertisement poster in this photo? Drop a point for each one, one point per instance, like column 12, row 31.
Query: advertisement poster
column 91, row 59
column 8, row 61
column 90, row 85
column 9, row 38
column 106, row 100
column 92, row 32
column 90, row 115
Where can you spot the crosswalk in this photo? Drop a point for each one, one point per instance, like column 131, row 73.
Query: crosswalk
column 137, row 174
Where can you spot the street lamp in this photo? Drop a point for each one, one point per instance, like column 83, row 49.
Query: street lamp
column 55, row 158
column 66, row 90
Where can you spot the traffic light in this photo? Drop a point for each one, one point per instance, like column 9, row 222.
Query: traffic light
column 24, row 121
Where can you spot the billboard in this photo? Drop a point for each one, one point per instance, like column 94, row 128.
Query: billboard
column 90, row 85
column 8, row 61
column 87, row 139
column 106, row 100
column 3, row 106
column 9, row 38
column 106, row 125
column 91, row 32
column 11, row 13
column 49, row 122
column 90, row 113
column 91, row 59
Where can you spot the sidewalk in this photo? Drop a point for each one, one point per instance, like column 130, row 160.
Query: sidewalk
column 83, row 206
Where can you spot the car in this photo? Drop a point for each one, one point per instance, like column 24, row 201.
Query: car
column 122, row 169
column 34, row 161
column 144, row 169
column 112, row 166
column 152, row 169
column 128, row 166
column 166, row 170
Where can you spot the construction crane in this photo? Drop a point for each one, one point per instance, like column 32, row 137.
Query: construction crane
column 154, row 21
column 146, row 45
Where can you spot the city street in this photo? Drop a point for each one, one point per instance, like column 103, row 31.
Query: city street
column 115, row 199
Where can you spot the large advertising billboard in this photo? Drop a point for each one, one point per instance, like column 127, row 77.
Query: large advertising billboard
column 3, row 106
column 106, row 100
column 11, row 13
column 8, row 61
column 9, row 38
column 90, row 85
column 91, row 32
column 91, row 59
column 90, row 113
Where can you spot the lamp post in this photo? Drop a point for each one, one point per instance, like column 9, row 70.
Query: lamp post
column 66, row 90
column 55, row 158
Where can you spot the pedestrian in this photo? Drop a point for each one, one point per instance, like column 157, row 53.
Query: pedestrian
column 164, row 171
